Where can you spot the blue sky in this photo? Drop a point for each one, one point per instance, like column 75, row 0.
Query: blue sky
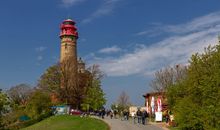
column 129, row 39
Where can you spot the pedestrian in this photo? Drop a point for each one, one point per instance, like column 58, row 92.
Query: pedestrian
column 167, row 117
column 144, row 116
column 123, row 115
column 103, row 113
column 139, row 115
column 115, row 113
column 133, row 116
column 111, row 114
column 127, row 115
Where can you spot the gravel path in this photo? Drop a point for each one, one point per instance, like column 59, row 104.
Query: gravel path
column 117, row 124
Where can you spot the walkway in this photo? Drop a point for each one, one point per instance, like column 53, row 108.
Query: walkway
column 117, row 124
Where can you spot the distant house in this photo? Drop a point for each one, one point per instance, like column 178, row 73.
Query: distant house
column 155, row 101
column 135, row 109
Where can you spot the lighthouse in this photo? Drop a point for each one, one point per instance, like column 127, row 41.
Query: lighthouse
column 68, row 52
column 68, row 36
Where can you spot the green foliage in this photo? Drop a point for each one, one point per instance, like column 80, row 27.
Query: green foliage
column 38, row 104
column 114, row 106
column 4, row 103
column 13, row 116
column 95, row 96
column 88, row 92
column 195, row 100
column 50, row 80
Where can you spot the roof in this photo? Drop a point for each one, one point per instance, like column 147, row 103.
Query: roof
column 153, row 94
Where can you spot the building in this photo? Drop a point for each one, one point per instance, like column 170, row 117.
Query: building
column 68, row 51
column 155, row 101
column 81, row 66
column 70, row 66
column 68, row 36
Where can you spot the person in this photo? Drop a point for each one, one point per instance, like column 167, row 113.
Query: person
column 103, row 113
column 123, row 115
column 144, row 116
column 111, row 114
column 139, row 114
column 127, row 115
column 133, row 116
column 115, row 113
column 167, row 118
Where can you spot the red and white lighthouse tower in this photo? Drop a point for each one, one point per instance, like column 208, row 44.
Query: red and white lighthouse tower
column 68, row 36
column 68, row 51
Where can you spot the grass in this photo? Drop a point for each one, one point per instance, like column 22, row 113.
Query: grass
column 67, row 122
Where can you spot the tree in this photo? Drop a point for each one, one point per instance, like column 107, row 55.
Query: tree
column 19, row 94
column 195, row 100
column 59, row 79
column 50, row 79
column 167, row 77
column 38, row 104
column 123, row 101
column 18, row 97
column 73, row 85
column 94, row 97
column 95, row 72
column 50, row 82
column 4, row 103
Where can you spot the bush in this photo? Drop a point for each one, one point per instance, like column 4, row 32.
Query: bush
column 22, row 124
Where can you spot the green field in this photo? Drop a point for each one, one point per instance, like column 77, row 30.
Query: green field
column 67, row 122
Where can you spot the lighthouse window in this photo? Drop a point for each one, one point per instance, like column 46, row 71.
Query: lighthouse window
column 67, row 22
column 65, row 46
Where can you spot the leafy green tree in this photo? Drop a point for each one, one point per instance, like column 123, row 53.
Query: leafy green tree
column 4, row 104
column 95, row 96
column 88, row 82
column 38, row 104
column 50, row 80
column 195, row 100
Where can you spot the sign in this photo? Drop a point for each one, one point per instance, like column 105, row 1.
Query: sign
column 158, row 116
column 60, row 110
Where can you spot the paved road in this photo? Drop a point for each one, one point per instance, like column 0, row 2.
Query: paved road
column 117, row 124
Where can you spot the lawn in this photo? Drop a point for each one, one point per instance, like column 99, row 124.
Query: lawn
column 67, row 122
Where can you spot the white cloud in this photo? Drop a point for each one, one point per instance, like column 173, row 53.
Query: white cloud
column 186, row 40
column 82, row 40
column 103, row 10
column 196, row 25
column 69, row 3
column 39, row 58
column 40, row 49
column 108, row 50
